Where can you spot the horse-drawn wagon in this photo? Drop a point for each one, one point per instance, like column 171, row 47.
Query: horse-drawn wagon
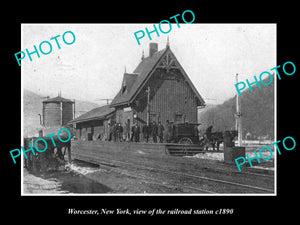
column 185, row 139
column 52, row 157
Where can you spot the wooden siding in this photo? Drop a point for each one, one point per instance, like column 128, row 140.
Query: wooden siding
column 67, row 115
column 52, row 114
column 95, row 127
column 170, row 96
column 123, row 117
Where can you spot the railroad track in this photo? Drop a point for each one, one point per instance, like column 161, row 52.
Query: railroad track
column 222, row 186
column 148, row 180
column 245, row 171
column 231, row 168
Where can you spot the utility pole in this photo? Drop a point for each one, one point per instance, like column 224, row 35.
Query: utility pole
column 74, row 109
column 148, row 105
column 61, row 112
column 238, row 118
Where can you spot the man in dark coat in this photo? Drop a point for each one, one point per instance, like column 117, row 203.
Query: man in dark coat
column 115, row 131
column 136, row 132
column 145, row 131
column 119, row 132
column 160, row 132
column 154, row 131
column 169, row 132
column 109, row 132
column 127, row 131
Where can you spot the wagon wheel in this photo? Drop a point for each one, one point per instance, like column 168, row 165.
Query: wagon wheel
column 185, row 141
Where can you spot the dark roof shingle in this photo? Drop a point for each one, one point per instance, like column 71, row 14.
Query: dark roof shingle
column 97, row 113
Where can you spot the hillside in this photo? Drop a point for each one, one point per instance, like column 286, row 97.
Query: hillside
column 32, row 106
column 257, row 111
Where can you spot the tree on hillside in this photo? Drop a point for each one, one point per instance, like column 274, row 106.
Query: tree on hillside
column 257, row 113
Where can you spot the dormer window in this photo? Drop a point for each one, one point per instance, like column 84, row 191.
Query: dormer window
column 123, row 87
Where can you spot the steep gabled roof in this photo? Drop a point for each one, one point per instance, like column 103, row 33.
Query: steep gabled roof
column 144, row 71
column 97, row 113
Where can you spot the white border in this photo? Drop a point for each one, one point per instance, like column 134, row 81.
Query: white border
column 231, row 194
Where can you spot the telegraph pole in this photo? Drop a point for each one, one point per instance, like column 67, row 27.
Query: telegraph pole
column 74, row 110
column 238, row 118
column 148, row 105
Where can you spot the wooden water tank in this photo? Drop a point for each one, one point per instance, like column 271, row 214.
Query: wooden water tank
column 57, row 111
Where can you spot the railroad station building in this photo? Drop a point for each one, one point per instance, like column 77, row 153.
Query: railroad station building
column 157, row 90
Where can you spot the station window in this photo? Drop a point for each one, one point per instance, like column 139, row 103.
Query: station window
column 153, row 117
column 178, row 117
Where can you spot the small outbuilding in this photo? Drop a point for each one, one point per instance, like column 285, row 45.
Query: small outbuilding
column 57, row 111
column 93, row 125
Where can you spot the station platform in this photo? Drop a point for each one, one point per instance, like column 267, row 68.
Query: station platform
column 130, row 147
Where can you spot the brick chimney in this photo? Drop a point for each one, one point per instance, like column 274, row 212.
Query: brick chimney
column 152, row 48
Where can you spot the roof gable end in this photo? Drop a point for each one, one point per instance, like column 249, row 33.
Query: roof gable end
column 164, row 58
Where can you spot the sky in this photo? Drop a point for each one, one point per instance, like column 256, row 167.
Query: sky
column 92, row 67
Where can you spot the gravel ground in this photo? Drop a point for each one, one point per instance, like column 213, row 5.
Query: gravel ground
column 72, row 180
column 39, row 185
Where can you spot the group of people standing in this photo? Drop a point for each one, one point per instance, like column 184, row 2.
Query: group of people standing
column 152, row 132
column 115, row 132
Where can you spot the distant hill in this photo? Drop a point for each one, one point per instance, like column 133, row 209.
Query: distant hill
column 32, row 106
column 257, row 113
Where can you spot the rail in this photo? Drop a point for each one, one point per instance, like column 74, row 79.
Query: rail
column 213, row 182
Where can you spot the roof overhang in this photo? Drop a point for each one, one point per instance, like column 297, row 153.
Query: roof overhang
column 91, row 119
